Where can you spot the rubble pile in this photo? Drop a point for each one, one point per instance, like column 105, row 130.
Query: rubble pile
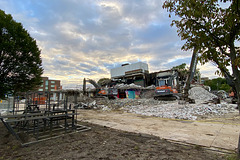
column 151, row 87
column 199, row 93
column 187, row 111
column 165, row 109
column 147, row 93
column 119, row 104
column 128, row 86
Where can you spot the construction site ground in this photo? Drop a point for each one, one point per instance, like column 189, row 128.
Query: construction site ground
column 102, row 142
column 140, row 129
column 213, row 133
column 121, row 135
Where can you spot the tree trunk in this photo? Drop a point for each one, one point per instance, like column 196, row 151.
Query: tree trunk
column 236, row 73
column 238, row 95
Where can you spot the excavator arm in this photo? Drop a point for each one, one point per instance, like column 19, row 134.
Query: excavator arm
column 191, row 74
column 98, row 87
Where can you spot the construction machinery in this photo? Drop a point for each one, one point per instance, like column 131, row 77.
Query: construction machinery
column 111, row 93
column 97, row 87
column 190, row 76
column 166, row 83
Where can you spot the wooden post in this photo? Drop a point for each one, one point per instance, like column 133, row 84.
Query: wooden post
column 58, row 99
column 49, row 103
column 238, row 149
column 84, row 86
column 75, row 98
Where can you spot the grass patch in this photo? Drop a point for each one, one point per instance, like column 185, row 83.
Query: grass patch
column 232, row 157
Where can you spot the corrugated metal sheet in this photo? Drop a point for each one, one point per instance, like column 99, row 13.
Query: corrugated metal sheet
column 120, row 71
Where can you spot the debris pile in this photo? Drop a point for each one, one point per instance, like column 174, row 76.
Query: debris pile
column 119, row 104
column 147, row 93
column 128, row 86
column 199, row 93
column 165, row 109
column 151, row 87
column 186, row 111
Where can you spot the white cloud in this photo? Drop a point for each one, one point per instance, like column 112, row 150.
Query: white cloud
column 87, row 38
column 208, row 70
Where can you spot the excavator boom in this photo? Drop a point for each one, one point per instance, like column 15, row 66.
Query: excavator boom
column 191, row 73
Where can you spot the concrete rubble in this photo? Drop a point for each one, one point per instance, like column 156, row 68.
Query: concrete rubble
column 200, row 94
column 168, row 109
column 186, row 111
column 128, row 86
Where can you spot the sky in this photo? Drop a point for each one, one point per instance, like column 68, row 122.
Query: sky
column 86, row 38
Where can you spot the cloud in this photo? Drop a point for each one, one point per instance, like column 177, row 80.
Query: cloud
column 208, row 70
column 87, row 38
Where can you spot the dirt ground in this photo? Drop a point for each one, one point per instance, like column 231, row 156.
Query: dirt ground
column 102, row 143
column 232, row 118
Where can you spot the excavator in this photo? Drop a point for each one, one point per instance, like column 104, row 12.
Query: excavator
column 168, row 82
column 110, row 92
column 98, row 87
column 190, row 76
column 166, row 86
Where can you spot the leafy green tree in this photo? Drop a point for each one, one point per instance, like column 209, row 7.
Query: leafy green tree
column 20, row 62
column 180, row 67
column 213, row 31
column 104, row 81
column 218, row 84
column 225, row 87
column 183, row 71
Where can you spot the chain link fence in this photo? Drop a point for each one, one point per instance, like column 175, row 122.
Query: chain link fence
column 6, row 106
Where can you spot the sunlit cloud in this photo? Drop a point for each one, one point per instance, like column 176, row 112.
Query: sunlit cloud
column 87, row 38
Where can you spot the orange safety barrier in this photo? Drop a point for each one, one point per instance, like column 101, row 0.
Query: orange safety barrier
column 41, row 100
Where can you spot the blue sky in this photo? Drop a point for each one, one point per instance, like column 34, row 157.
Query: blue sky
column 86, row 38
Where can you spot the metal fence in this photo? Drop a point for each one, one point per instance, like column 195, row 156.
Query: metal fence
column 6, row 106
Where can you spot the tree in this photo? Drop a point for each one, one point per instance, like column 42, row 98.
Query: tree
column 218, row 84
column 20, row 62
column 213, row 31
column 180, row 67
column 183, row 71
column 104, row 81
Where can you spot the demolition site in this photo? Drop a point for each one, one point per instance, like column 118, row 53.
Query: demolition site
column 127, row 116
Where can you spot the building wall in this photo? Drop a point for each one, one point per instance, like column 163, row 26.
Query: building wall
column 120, row 71
column 50, row 85
column 140, row 82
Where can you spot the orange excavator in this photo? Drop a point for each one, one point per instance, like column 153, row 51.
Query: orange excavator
column 166, row 83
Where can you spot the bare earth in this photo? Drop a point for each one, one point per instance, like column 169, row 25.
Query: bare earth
column 102, row 143
column 117, row 135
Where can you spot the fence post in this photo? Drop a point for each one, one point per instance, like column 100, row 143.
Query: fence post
column 238, row 149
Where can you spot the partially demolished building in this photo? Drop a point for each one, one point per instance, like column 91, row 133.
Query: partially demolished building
column 136, row 73
column 131, row 80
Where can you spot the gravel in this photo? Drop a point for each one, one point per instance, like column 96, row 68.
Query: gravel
column 199, row 93
column 184, row 111
column 179, row 109
column 169, row 109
